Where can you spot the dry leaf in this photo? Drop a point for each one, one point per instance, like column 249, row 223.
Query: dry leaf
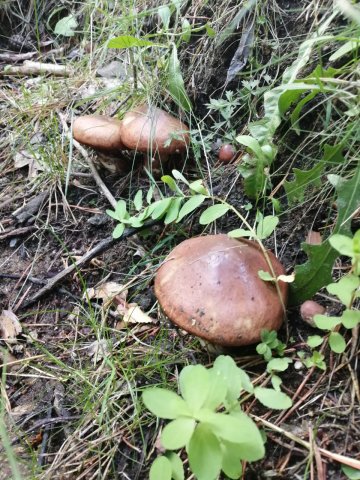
column 10, row 326
column 24, row 159
column 107, row 291
column 134, row 314
column 98, row 350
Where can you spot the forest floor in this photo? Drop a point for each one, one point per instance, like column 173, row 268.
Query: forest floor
column 73, row 369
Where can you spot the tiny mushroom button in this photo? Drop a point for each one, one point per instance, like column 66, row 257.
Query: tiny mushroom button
column 209, row 286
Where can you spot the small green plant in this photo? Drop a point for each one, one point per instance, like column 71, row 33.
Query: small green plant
column 173, row 209
column 316, row 359
column 347, row 289
column 207, row 420
column 270, row 342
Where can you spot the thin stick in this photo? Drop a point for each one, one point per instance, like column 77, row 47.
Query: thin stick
column 351, row 462
column 97, row 250
column 37, row 68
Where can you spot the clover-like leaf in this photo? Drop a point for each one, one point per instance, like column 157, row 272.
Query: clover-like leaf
column 165, row 403
column 337, row 342
column 204, row 452
column 272, row 399
column 161, row 469
column 194, row 381
column 177, row 433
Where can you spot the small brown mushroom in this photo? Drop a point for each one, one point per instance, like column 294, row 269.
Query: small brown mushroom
column 226, row 153
column 309, row 309
column 99, row 132
column 209, row 286
column 150, row 130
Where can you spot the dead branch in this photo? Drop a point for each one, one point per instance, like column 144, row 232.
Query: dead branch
column 101, row 247
column 37, row 68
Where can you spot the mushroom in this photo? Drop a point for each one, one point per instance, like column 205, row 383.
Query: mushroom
column 226, row 153
column 209, row 286
column 99, row 132
column 152, row 131
column 309, row 309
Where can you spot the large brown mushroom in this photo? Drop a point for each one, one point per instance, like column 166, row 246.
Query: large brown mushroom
column 155, row 132
column 209, row 286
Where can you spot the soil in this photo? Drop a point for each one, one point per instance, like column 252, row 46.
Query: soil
column 63, row 231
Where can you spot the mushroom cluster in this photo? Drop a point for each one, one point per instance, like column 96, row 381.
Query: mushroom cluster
column 210, row 287
column 146, row 129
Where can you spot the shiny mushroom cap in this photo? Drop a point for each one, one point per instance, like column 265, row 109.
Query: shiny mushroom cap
column 209, row 286
column 99, row 132
column 149, row 129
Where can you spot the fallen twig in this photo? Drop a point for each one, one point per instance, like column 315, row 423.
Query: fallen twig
column 37, row 68
column 17, row 232
column 351, row 462
column 98, row 249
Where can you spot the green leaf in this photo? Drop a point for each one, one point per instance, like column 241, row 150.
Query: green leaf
column 266, row 276
column 160, row 208
column 217, row 391
column 225, row 366
column 204, row 454
column 179, row 176
column 177, row 433
column 316, row 272
column 234, row 429
column 351, row 473
column 326, row 323
column 165, row 403
column 252, row 144
column 127, row 41
column 342, row 244
column 231, row 464
column 118, row 230
column 240, row 232
column 278, row 364
column 272, row 399
column 150, row 194
column 138, row 200
column 198, row 187
column 345, row 49
column 266, row 226
column 165, row 15
column 173, row 210
column 175, row 84
column 350, row 318
column 176, row 465
column 213, row 213
column 112, row 214
column 276, row 382
column 161, row 469
column 314, row 341
column 66, row 26
column 185, row 30
column 189, row 206
column 120, row 209
column 344, row 288
column 337, row 342
column 194, row 382
column 170, row 182
column 251, row 444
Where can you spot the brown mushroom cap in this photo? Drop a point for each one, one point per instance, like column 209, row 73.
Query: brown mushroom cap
column 226, row 153
column 99, row 132
column 209, row 286
column 149, row 129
